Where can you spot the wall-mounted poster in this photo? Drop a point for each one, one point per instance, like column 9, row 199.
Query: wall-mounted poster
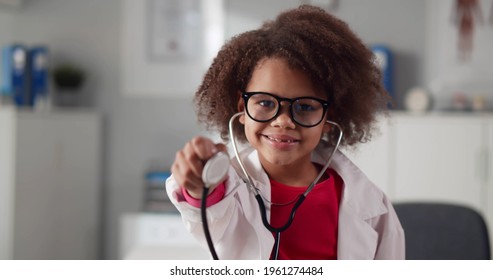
column 174, row 31
column 454, row 65
column 167, row 45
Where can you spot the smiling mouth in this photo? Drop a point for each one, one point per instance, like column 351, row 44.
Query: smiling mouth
column 278, row 140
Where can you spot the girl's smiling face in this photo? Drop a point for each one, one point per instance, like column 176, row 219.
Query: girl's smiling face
column 281, row 142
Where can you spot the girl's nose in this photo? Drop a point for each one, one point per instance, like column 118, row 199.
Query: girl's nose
column 283, row 120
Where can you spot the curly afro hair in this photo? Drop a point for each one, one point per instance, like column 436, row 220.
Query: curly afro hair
column 310, row 40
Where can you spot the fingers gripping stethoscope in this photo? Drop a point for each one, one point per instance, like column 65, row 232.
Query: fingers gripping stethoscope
column 215, row 171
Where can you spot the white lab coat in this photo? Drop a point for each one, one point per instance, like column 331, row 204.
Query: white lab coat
column 368, row 225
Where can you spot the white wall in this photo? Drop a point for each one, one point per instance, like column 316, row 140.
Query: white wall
column 6, row 19
column 140, row 129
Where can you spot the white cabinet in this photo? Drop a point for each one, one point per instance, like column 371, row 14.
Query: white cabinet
column 49, row 184
column 147, row 236
column 436, row 157
column 439, row 158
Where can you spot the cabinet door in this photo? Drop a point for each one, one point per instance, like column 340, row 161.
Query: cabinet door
column 439, row 158
column 57, row 189
column 7, row 160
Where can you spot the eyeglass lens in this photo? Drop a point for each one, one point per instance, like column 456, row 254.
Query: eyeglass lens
column 305, row 111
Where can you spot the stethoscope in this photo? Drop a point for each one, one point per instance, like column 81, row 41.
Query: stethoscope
column 215, row 171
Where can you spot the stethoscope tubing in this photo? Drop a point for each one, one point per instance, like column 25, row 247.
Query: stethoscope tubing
column 205, row 226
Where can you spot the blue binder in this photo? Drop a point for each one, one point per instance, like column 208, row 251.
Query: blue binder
column 6, row 82
column 385, row 62
column 15, row 74
column 38, row 68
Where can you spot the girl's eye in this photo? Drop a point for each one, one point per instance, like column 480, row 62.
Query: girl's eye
column 267, row 103
column 304, row 107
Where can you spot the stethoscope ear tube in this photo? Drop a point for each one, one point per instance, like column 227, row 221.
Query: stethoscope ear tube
column 248, row 179
column 327, row 164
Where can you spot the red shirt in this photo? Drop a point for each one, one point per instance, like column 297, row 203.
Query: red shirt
column 313, row 233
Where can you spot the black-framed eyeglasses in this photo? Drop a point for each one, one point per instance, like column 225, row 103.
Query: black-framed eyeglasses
column 304, row 111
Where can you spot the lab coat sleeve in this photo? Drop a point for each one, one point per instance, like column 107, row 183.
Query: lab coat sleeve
column 220, row 211
column 227, row 223
column 391, row 243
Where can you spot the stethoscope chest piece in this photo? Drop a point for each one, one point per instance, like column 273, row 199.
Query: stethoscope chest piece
column 216, row 169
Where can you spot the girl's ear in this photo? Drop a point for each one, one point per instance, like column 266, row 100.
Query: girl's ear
column 241, row 108
column 327, row 127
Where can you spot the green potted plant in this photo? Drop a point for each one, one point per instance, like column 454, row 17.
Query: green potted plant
column 68, row 79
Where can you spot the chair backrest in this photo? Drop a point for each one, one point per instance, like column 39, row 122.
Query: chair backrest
column 437, row 231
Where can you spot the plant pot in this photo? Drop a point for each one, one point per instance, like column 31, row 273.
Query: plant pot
column 68, row 98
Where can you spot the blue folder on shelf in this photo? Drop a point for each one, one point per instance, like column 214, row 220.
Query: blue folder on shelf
column 38, row 70
column 15, row 76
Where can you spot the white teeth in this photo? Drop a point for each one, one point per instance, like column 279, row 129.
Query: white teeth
column 279, row 140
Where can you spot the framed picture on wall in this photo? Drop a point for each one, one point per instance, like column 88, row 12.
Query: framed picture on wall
column 167, row 45
column 174, row 30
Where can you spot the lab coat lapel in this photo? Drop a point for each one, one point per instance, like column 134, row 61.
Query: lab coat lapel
column 357, row 240
column 252, row 214
column 359, row 205
column 356, row 237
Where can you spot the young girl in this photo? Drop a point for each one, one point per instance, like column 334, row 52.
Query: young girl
column 290, row 77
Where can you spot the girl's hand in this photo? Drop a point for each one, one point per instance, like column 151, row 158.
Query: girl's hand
column 189, row 163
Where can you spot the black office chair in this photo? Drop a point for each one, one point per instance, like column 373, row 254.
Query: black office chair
column 437, row 231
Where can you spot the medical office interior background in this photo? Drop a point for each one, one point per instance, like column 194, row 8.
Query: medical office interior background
column 83, row 179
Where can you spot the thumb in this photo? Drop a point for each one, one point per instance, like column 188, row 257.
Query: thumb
column 221, row 147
